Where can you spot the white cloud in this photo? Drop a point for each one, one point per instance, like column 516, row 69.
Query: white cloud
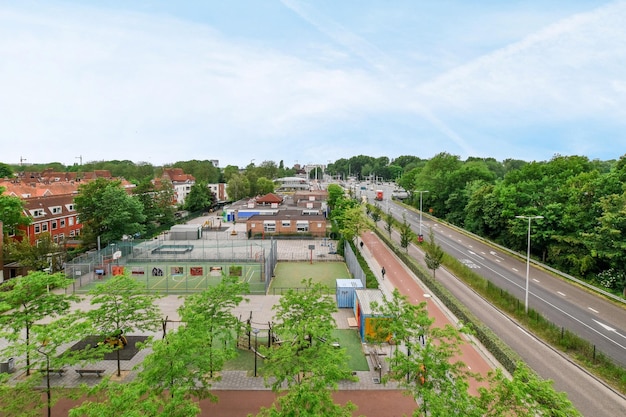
column 564, row 72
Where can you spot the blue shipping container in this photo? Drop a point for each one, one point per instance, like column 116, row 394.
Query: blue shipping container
column 345, row 292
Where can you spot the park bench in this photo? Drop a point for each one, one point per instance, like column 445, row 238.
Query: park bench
column 60, row 371
column 97, row 372
column 334, row 344
column 376, row 363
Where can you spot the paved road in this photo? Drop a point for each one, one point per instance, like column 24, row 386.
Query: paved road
column 590, row 396
column 591, row 317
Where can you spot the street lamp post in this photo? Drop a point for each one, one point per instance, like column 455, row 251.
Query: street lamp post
column 420, row 234
column 529, row 218
column 256, row 348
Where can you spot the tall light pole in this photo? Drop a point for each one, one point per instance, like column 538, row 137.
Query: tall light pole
column 256, row 348
column 529, row 218
column 420, row 234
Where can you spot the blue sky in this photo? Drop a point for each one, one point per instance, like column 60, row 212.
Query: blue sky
column 310, row 81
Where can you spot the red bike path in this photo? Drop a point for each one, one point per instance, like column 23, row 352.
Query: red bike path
column 407, row 284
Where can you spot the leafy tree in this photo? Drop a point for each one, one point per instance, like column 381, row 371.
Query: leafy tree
column 388, row 222
column 122, row 306
column 524, row 395
column 352, row 222
column 238, row 187
column 157, row 204
column 406, row 234
column 264, row 186
column 200, row 197
column 335, row 194
column 26, row 300
column 229, row 171
column 202, row 171
column 107, row 211
column 306, row 364
column 176, row 373
column 17, row 399
column 209, row 314
column 426, row 367
column 434, row 254
column 45, row 255
column 376, row 213
column 5, row 171
column 136, row 399
column 11, row 212
column 268, row 170
column 50, row 353
column 305, row 400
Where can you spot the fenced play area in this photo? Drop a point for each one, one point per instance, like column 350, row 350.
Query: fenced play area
column 178, row 267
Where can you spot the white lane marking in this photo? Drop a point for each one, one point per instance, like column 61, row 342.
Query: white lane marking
column 610, row 329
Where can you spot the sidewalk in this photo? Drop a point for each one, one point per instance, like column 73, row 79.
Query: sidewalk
column 473, row 354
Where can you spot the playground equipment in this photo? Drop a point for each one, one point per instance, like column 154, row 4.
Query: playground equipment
column 116, row 340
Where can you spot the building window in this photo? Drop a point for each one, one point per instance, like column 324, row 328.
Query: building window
column 62, row 223
column 71, row 221
column 71, row 233
column 286, row 223
column 54, row 225
column 37, row 229
column 269, row 226
column 55, row 238
column 302, row 226
column 44, row 227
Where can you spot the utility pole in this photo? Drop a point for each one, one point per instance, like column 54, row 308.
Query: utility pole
column 80, row 158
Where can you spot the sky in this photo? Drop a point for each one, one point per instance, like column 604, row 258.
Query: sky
column 310, row 81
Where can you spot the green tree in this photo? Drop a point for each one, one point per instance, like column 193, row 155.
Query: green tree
column 200, row 197
column 25, row 301
column 307, row 364
column 426, row 368
column 107, row 211
column 157, row 204
column 406, row 234
column 50, row 353
column 11, row 212
column 376, row 213
column 46, row 255
column 136, row 399
column 209, row 314
column 353, row 223
column 176, row 373
column 238, row 187
column 335, row 194
column 388, row 222
column 433, row 253
column 523, row 395
column 121, row 306
column 17, row 399
column 5, row 171
column 264, row 185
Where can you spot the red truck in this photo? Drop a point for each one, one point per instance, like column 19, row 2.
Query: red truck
column 379, row 195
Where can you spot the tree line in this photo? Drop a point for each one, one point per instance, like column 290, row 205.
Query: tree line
column 582, row 201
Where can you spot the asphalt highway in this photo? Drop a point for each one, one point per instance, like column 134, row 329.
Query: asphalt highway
column 565, row 304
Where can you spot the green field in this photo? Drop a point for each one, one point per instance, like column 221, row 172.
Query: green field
column 291, row 274
column 348, row 339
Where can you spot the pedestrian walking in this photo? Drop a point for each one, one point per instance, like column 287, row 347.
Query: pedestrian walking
column 383, row 272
